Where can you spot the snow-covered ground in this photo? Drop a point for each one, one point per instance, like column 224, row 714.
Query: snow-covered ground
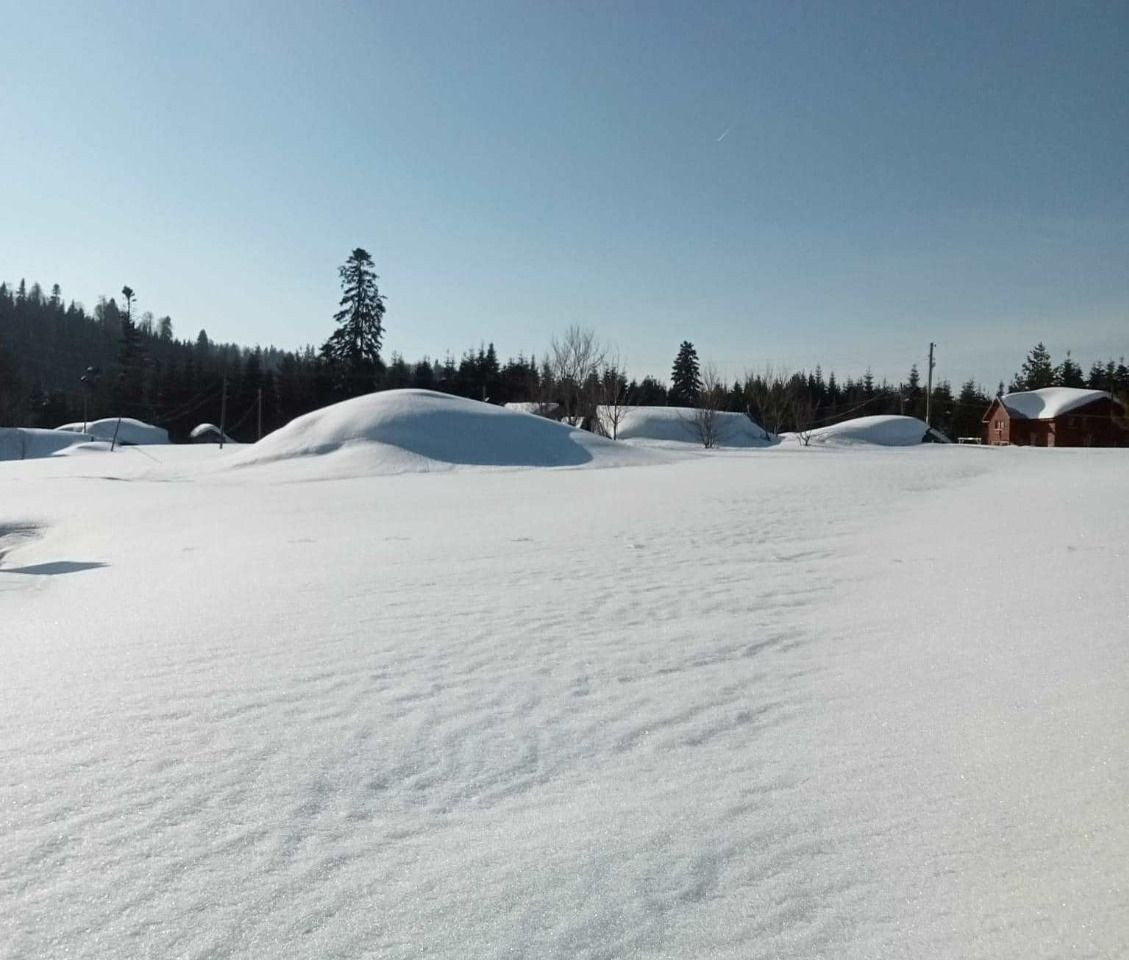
column 792, row 702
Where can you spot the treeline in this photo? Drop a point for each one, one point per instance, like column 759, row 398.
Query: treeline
column 60, row 363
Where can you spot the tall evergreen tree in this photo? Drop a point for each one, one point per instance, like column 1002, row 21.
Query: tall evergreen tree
column 129, row 388
column 868, row 385
column 1037, row 371
column 971, row 405
column 354, row 347
column 1069, row 374
column 685, row 377
column 11, row 407
column 913, row 395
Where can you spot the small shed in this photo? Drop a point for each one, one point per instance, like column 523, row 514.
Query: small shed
column 1056, row 417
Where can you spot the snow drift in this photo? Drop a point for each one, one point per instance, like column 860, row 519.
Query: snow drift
column 28, row 443
column 888, row 430
column 131, row 431
column 403, row 431
column 678, row 425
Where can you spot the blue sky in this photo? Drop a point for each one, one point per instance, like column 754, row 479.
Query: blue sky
column 892, row 174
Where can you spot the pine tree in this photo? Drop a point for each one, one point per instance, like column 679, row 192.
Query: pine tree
column 868, row 384
column 914, row 395
column 424, row 375
column 1069, row 374
column 943, row 409
column 1037, row 371
column 970, row 408
column 354, row 347
column 685, row 377
column 10, row 406
column 1121, row 377
column 649, row 393
column 129, row 388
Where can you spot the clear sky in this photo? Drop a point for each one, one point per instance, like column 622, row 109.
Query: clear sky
column 795, row 183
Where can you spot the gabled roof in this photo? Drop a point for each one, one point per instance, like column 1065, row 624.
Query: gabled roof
column 1049, row 402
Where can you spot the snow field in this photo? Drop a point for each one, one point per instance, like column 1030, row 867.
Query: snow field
column 838, row 703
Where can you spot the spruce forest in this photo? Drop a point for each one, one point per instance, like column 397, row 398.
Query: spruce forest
column 60, row 363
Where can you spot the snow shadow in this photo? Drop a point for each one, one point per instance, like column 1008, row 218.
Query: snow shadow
column 12, row 534
column 517, row 441
column 56, row 567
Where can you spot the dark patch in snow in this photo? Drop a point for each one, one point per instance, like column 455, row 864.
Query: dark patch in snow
column 13, row 534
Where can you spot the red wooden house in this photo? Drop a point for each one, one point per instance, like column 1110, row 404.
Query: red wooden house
column 1056, row 417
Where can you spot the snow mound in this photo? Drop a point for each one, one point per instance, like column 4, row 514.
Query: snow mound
column 678, row 425
column 208, row 433
column 888, row 430
column 1050, row 402
column 131, row 431
column 403, row 431
column 28, row 443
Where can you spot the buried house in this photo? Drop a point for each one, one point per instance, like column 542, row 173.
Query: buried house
column 1056, row 417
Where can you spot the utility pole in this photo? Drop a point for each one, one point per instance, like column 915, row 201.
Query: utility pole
column 260, row 436
column 929, row 389
column 223, row 412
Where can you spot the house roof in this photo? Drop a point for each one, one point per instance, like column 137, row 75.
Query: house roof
column 1049, row 402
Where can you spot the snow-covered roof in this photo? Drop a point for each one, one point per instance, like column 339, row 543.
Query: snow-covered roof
column 1049, row 402
column 128, row 431
column 209, row 430
column 884, row 430
column 679, row 426
column 27, row 443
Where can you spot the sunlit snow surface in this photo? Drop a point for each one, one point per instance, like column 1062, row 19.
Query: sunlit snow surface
column 835, row 703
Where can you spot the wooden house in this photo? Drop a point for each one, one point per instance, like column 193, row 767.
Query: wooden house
column 1056, row 417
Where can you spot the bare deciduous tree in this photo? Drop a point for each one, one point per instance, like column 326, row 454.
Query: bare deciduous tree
column 706, row 420
column 612, row 396
column 573, row 361
column 801, row 406
column 767, row 398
